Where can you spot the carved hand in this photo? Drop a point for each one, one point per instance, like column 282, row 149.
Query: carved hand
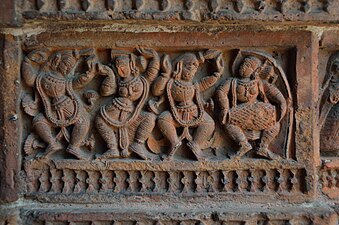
column 220, row 64
column 147, row 52
column 211, row 54
column 334, row 93
column 91, row 63
column 209, row 104
column 103, row 69
column 37, row 56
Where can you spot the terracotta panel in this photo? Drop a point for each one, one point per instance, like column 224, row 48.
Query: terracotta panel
column 286, row 167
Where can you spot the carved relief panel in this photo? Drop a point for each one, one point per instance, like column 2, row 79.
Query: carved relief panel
column 329, row 109
column 329, row 116
column 184, row 118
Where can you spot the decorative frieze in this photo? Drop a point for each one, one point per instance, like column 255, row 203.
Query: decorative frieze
column 148, row 121
column 153, row 113
column 329, row 177
column 182, row 10
column 177, row 182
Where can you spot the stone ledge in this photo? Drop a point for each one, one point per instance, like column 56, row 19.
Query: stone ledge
column 193, row 214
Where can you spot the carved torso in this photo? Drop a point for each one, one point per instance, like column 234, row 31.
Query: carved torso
column 129, row 92
column 59, row 99
column 53, row 86
column 124, row 108
column 132, row 89
column 183, row 95
column 247, row 91
column 251, row 113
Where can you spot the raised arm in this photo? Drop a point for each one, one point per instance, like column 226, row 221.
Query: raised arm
column 31, row 66
column 154, row 64
column 209, row 81
column 83, row 79
column 160, row 82
column 109, row 85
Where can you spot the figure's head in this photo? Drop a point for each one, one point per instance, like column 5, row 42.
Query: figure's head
column 190, row 65
column 249, row 66
column 128, row 64
column 64, row 61
column 122, row 64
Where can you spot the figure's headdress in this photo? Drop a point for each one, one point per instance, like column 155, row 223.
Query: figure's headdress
column 138, row 64
column 182, row 58
column 69, row 57
column 254, row 62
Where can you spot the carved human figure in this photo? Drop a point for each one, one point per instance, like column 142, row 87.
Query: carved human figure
column 54, row 82
column 251, row 107
column 124, row 120
column 329, row 109
column 186, row 104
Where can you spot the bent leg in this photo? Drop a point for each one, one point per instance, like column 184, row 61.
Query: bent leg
column 80, row 130
column 43, row 128
column 267, row 137
column 107, row 133
column 144, row 124
column 78, row 136
column 145, row 127
column 240, row 138
column 167, row 126
column 204, row 131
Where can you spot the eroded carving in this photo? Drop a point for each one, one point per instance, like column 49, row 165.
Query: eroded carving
column 329, row 109
column 242, row 219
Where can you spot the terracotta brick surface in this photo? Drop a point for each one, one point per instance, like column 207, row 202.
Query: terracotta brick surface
column 169, row 112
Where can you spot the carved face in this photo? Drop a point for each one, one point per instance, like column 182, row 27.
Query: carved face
column 189, row 67
column 123, row 66
column 248, row 67
column 65, row 66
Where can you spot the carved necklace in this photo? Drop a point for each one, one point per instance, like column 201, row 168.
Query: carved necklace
column 129, row 83
column 76, row 102
column 184, row 86
column 137, row 110
column 185, row 123
column 247, row 84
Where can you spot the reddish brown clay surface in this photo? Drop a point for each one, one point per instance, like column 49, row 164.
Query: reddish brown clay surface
column 131, row 112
